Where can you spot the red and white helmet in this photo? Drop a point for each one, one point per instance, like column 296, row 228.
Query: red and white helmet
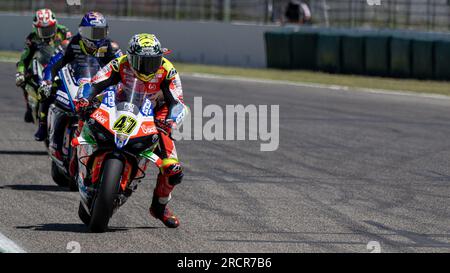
column 45, row 23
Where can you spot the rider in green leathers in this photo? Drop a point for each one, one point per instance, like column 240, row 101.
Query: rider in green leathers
column 46, row 31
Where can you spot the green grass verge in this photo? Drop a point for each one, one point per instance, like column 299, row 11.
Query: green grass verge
column 8, row 56
column 352, row 81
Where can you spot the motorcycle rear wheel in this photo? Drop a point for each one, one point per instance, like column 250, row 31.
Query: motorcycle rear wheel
column 73, row 185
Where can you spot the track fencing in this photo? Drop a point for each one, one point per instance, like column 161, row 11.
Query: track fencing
column 402, row 14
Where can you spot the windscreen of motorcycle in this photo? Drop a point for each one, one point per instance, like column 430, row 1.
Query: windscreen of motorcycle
column 133, row 96
column 84, row 68
column 44, row 53
column 127, row 111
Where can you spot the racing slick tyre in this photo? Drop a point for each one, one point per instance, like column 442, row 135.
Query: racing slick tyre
column 58, row 177
column 84, row 216
column 104, row 201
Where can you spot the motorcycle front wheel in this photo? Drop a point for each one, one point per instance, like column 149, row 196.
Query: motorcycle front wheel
column 84, row 216
column 58, row 177
column 108, row 190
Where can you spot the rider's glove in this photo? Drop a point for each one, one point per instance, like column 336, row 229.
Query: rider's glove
column 82, row 104
column 165, row 125
column 20, row 79
column 45, row 89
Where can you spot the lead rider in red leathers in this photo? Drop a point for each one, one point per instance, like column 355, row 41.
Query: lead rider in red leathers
column 158, row 77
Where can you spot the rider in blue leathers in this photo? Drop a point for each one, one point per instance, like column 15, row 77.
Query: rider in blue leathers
column 92, row 39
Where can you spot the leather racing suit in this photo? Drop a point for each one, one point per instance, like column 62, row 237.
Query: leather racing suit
column 76, row 51
column 34, row 44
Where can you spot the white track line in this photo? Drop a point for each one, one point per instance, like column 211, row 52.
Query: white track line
column 316, row 85
column 8, row 246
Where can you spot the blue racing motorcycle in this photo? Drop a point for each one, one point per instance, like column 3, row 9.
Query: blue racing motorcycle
column 63, row 120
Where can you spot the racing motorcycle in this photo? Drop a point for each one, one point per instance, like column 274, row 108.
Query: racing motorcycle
column 35, row 75
column 118, row 141
column 62, row 123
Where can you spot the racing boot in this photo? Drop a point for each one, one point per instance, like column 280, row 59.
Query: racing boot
column 171, row 174
column 163, row 213
column 41, row 133
column 28, row 115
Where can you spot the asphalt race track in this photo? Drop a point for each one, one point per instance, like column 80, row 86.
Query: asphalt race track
column 352, row 168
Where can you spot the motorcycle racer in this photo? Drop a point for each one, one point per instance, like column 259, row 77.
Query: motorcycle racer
column 46, row 31
column 157, row 77
column 92, row 39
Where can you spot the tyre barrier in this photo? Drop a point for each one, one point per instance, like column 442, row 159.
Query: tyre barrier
column 390, row 53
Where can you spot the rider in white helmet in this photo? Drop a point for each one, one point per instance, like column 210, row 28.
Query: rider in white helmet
column 46, row 31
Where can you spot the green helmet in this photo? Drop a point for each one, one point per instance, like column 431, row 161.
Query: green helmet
column 145, row 55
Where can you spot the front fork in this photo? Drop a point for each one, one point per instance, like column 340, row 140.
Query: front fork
column 88, row 179
column 85, row 146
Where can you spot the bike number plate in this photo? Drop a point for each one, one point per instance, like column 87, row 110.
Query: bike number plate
column 125, row 125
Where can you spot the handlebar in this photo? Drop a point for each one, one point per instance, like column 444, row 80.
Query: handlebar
column 85, row 113
column 95, row 104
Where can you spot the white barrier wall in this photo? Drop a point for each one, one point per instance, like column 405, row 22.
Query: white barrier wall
column 193, row 42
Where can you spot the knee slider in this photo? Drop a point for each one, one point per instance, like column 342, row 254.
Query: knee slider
column 173, row 170
column 176, row 179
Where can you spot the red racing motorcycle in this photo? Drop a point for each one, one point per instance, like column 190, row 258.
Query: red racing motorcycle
column 118, row 141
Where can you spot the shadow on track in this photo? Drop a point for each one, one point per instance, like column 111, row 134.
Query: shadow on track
column 30, row 187
column 32, row 153
column 77, row 228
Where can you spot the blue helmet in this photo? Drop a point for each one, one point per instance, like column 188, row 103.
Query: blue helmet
column 93, row 29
